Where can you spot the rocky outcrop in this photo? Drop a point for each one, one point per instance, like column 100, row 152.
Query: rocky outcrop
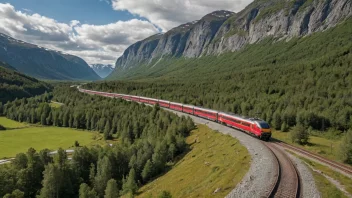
column 224, row 31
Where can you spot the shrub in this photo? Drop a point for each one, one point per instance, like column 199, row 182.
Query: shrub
column 346, row 148
column 165, row 194
column 2, row 128
column 299, row 134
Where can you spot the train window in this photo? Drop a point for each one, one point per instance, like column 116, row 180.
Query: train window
column 264, row 125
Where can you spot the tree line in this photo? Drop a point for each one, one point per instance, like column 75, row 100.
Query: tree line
column 149, row 138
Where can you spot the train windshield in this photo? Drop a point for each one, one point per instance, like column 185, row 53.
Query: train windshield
column 264, row 125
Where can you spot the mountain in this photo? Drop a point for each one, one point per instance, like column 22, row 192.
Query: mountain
column 5, row 65
column 222, row 31
column 16, row 85
column 43, row 63
column 102, row 70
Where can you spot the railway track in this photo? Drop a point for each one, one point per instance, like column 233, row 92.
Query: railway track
column 345, row 168
column 287, row 181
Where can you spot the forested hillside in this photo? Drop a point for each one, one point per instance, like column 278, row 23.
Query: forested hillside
column 149, row 137
column 16, row 85
column 304, row 80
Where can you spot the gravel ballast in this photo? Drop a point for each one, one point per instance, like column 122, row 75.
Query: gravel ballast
column 308, row 187
column 261, row 174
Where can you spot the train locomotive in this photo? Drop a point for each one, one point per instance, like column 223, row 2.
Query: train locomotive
column 253, row 126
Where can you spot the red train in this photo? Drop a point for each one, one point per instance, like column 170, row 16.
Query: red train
column 256, row 127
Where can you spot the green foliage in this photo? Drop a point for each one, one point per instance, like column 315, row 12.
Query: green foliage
column 305, row 81
column 147, row 171
column 15, row 194
column 130, row 185
column 299, row 134
column 111, row 189
column 16, row 85
column 165, row 194
column 145, row 133
column 346, row 148
column 86, row 192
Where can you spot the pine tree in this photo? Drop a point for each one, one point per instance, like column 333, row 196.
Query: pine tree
column 104, row 174
column 51, row 182
column 107, row 130
column 147, row 171
column 130, row 185
column 111, row 190
column 86, row 192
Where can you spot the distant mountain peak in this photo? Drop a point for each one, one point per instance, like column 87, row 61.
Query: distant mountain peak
column 103, row 70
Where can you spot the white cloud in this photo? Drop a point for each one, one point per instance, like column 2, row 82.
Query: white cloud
column 94, row 43
column 167, row 14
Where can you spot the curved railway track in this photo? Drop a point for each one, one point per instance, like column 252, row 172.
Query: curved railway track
column 287, row 181
column 345, row 168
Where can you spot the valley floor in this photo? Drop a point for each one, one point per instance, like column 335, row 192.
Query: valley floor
column 19, row 137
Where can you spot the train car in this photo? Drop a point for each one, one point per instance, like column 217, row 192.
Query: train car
column 164, row 103
column 206, row 113
column 176, row 106
column 135, row 98
column 143, row 100
column 152, row 101
column 256, row 127
column 188, row 109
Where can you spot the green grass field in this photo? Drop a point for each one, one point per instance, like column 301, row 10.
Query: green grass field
column 214, row 161
column 326, row 147
column 19, row 137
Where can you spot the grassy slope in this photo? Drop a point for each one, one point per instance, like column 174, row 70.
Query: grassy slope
column 192, row 177
column 19, row 137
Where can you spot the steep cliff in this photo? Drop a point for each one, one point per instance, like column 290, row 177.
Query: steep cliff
column 224, row 31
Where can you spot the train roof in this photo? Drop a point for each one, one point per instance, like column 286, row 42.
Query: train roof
column 202, row 108
column 176, row 103
column 242, row 118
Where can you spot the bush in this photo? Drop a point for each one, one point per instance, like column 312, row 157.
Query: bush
column 165, row 194
column 284, row 127
column 76, row 143
column 299, row 134
column 2, row 128
column 346, row 148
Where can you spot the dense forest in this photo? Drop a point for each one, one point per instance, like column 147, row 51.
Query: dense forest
column 149, row 138
column 16, row 85
column 304, row 81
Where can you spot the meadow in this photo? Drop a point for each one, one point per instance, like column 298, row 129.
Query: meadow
column 327, row 147
column 20, row 136
column 214, row 161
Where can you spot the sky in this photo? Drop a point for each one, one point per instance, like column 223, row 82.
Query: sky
column 100, row 30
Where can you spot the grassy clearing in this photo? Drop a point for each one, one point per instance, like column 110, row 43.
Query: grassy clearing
column 55, row 104
column 214, row 161
column 326, row 147
column 324, row 186
column 10, row 124
column 21, row 136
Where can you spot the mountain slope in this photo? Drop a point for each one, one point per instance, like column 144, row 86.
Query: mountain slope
column 221, row 31
column 43, row 63
column 16, row 85
column 102, row 70
column 304, row 80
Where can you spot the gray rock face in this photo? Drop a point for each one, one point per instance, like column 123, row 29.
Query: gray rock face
column 224, row 31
